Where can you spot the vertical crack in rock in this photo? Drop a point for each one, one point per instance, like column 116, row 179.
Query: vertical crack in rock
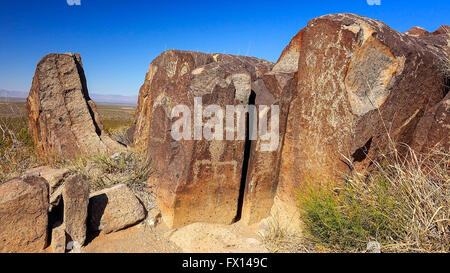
column 247, row 150
column 447, row 86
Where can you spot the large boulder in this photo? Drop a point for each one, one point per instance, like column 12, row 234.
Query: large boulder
column 63, row 120
column 75, row 195
column 114, row 209
column 198, row 180
column 23, row 214
column 361, row 87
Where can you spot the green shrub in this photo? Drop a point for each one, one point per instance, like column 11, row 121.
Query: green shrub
column 404, row 206
column 25, row 138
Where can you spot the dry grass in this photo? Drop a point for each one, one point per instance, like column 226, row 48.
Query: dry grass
column 105, row 171
column 278, row 239
column 17, row 152
column 420, row 185
column 404, row 205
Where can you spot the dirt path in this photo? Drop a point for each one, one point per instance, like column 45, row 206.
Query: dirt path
column 138, row 239
column 196, row 238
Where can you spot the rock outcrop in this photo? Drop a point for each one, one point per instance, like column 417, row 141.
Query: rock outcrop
column 23, row 215
column 200, row 180
column 348, row 88
column 114, row 209
column 63, row 120
column 360, row 85
column 417, row 32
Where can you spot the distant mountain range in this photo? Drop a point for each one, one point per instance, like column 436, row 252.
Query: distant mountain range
column 98, row 98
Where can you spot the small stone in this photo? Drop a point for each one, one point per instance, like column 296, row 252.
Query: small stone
column 153, row 217
column 76, row 248
column 73, row 247
column 373, row 247
column 59, row 239
column 93, row 170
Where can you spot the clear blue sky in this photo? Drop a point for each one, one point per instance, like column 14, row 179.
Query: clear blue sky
column 119, row 38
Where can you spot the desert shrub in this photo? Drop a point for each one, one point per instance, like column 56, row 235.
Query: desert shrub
column 17, row 152
column 404, row 205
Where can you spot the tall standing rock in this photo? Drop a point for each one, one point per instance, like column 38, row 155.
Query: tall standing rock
column 23, row 215
column 63, row 119
column 76, row 200
column 360, row 84
column 197, row 180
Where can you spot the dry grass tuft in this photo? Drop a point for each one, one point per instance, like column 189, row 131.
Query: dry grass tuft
column 105, row 171
column 278, row 239
column 404, row 205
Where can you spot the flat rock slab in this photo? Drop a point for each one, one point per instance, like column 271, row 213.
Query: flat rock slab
column 113, row 209
column 55, row 179
column 23, row 215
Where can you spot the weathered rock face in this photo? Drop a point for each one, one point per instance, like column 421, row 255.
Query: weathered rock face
column 417, row 32
column 433, row 130
column 63, row 119
column 274, row 88
column 76, row 199
column 357, row 80
column 114, row 209
column 200, row 180
column 23, row 215
column 55, row 179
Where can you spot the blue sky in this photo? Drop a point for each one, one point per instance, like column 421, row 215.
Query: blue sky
column 119, row 38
